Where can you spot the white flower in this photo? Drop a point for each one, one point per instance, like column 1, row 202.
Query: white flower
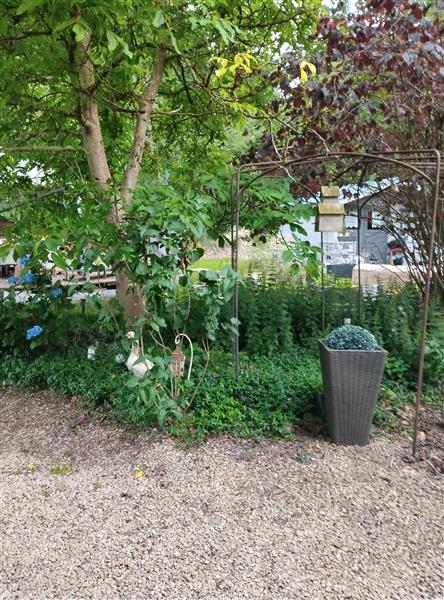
column 130, row 335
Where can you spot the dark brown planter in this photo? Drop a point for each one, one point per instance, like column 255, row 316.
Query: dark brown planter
column 352, row 379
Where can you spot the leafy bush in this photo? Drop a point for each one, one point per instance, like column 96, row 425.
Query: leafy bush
column 60, row 321
column 351, row 337
column 434, row 357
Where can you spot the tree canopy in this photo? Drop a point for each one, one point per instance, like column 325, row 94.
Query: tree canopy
column 110, row 92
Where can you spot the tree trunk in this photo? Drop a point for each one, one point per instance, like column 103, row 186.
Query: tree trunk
column 89, row 117
column 130, row 297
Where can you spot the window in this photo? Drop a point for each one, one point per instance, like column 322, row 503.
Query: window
column 374, row 220
column 351, row 222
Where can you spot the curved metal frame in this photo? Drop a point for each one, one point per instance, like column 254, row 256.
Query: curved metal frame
column 416, row 161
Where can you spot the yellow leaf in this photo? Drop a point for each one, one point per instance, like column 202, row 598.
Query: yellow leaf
column 31, row 466
column 139, row 474
column 306, row 65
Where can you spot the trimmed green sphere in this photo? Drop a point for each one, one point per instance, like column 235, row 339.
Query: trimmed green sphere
column 351, row 337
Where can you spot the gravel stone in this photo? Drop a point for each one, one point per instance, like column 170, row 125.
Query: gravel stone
column 228, row 519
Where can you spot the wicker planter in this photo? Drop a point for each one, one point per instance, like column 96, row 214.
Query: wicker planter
column 351, row 386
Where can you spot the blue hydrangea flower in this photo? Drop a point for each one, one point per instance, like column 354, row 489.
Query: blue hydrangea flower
column 34, row 332
column 25, row 260
column 28, row 278
column 56, row 292
column 12, row 280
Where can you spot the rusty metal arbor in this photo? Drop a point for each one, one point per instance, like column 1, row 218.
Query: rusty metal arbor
column 425, row 163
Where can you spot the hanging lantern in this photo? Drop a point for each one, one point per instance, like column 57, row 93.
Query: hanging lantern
column 330, row 212
column 177, row 364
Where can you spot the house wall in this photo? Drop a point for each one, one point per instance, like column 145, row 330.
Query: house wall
column 342, row 249
column 373, row 243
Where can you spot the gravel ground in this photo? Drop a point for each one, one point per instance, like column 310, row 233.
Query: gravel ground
column 90, row 510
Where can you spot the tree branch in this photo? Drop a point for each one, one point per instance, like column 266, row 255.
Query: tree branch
column 143, row 118
column 7, row 149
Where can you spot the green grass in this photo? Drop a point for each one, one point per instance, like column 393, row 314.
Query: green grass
column 213, row 264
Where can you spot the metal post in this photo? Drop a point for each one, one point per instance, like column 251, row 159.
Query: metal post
column 425, row 316
column 322, row 285
column 235, row 211
column 358, row 249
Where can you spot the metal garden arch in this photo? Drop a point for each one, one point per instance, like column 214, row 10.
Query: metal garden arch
column 426, row 163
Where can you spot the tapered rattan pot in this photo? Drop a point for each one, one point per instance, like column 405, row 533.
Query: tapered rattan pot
column 352, row 379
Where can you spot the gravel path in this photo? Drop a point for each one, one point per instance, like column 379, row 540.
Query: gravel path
column 89, row 510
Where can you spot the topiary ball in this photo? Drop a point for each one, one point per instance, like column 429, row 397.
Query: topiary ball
column 351, row 337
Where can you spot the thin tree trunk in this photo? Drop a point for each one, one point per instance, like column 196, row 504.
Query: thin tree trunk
column 143, row 118
column 129, row 296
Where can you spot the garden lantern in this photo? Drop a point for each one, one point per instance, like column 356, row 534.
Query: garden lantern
column 177, row 364
column 330, row 212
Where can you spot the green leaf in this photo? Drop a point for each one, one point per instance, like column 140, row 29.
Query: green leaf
column 4, row 250
column 287, row 255
column 161, row 417
column 59, row 261
column 28, row 6
column 157, row 360
column 133, row 382
column 158, row 19
column 112, row 40
column 80, row 31
column 174, row 42
column 142, row 269
column 209, row 276
column 52, row 244
column 218, row 25
column 63, row 25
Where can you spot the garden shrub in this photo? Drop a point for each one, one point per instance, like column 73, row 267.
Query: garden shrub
column 280, row 325
column 60, row 322
column 351, row 337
